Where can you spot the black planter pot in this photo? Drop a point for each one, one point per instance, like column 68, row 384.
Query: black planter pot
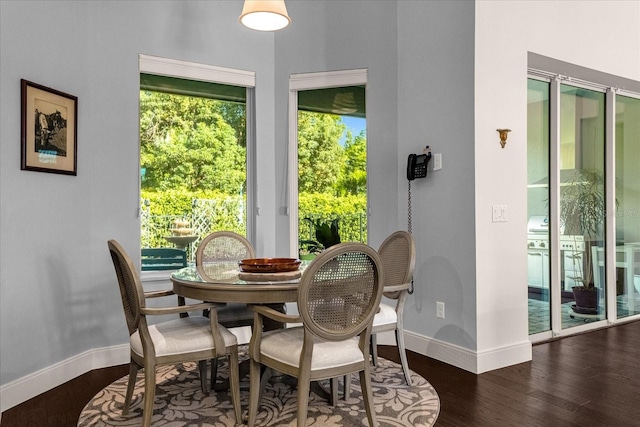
column 586, row 299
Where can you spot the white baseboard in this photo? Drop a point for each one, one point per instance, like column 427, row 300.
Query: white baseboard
column 469, row 360
column 505, row 356
column 25, row 388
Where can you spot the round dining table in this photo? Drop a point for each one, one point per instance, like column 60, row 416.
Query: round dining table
column 230, row 285
column 227, row 284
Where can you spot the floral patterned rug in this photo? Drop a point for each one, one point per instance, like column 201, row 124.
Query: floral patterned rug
column 180, row 402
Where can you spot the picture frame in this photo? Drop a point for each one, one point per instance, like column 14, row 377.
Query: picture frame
column 49, row 129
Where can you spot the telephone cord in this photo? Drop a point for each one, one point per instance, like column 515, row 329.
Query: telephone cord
column 410, row 291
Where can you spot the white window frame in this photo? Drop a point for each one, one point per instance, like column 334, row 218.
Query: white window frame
column 310, row 81
column 209, row 73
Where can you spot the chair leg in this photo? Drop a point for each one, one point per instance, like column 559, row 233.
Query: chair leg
column 403, row 354
column 214, row 372
column 149, row 392
column 374, row 349
column 133, row 373
column 367, row 394
column 254, row 391
column 234, row 382
column 347, row 386
column 202, row 367
column 266, row 373
column 333, row 391
column 304, row 386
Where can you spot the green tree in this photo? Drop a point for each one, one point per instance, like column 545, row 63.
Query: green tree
column 353, row 177
column 187, row 143
column 320, row 155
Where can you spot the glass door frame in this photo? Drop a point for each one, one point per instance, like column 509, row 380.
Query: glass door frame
column 555, row 81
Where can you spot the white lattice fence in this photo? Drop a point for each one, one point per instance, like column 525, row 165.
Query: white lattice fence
column 206, row 216
column 209, row 215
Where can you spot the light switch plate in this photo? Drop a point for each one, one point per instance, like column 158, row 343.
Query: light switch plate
column 499, row 213
column 439, row 310
column 437, row 161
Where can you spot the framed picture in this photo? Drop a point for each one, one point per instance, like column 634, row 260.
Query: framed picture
column 49, row 129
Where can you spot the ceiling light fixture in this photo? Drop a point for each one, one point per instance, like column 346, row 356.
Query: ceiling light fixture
column 264, row 15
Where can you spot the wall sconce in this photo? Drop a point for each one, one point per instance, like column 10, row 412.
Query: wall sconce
column 503, row 136
column 264, row 15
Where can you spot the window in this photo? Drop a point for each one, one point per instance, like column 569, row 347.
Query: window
column 194, row 152
column 328, row 138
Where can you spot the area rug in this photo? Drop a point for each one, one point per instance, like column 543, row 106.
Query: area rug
column 180, row 402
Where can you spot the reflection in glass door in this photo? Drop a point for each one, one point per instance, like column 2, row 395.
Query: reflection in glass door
column 537, row 205
column 583, row 189
column 582, row 202
column 627, row 189
column 566, row 206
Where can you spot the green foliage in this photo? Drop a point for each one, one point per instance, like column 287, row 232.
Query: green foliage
column 169, row 202
column 194, row 149
column 353, row 177
column 186, row 142
column 206, row 211
column 166, row 206
column 349, row 210
column 582, row 212
column 320, row 155
column 327, row 234
column 582, row 203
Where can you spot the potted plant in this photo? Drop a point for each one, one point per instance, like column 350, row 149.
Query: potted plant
column 327, row 234
column 582, row 213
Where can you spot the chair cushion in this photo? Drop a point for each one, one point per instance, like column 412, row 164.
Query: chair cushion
column 285, row 345
column 183, row 335
column 385, row 316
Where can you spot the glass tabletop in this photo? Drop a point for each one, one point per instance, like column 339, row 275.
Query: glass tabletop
column 229, row 273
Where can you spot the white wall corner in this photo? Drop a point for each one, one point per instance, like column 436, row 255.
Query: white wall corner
column 497, row 358
column 445, row 352
column 29, row 386
column 463, row 358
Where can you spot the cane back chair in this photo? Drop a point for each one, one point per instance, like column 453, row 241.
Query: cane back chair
column 185, row 339
column 338, row 296
column 398, row 254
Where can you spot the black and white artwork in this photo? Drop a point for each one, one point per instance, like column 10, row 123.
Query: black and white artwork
column 49, row 124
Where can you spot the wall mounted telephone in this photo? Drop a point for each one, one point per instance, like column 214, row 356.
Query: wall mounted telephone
column 417, row 165
column 416, row 168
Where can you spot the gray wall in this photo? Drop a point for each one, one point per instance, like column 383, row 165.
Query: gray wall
column 436, row 108
column 419, row 56
column 58, row 296
column 330, row 36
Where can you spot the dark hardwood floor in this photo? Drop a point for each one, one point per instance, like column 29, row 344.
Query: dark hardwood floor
column 592, row 379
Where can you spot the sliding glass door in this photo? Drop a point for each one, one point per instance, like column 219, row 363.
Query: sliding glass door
column 627, row 188
column 581, row 209
column 583, row 192
column 538, row 238
column 567, row 206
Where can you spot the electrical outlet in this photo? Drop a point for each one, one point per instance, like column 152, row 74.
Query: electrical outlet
column 440, row 310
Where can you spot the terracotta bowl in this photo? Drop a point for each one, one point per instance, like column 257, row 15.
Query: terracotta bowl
column 269, row 265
